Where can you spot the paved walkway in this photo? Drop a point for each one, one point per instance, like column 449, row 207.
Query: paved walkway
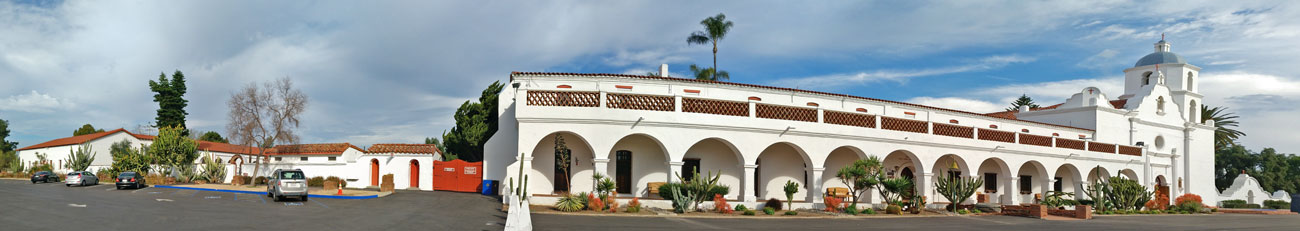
column 262, row 189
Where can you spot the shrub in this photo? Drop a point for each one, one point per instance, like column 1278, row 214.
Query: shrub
column 769, row 210
column 594, row 204
column 1160, row 202
column 612, row 204
column 1187, row 197
column 1234, row 203
column 1214, row 210
column 791, row 213
column 1277, row 204
column 698, row 189
column 569, row 203
column 832, row 203
column 772, row 203
column 1087, row 202
column 337, row 179
column 741, row 208
column 962, row 212
column 720, row 204
column 976, row 211
column 790, row 189
column 316, row 182
column 153, row 179
column 749, row 212
column 246, row 179
column 634, row 206
column 259, row 180
column 868, row 211
column 894, row 209
column 851, row 210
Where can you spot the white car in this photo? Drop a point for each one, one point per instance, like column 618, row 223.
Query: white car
column 81, row 178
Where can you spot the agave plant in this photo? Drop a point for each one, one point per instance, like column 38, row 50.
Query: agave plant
column 570, row 203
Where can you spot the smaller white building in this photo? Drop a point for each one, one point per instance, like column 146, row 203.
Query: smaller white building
column 1246, row 188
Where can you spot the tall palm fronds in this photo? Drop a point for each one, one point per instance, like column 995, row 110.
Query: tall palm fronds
column 715, row 28
column 709, row 74
column 1223, row 135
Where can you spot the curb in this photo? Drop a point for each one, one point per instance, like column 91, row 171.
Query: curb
column 262, row 193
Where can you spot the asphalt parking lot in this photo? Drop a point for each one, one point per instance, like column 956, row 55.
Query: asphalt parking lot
column 27, row 206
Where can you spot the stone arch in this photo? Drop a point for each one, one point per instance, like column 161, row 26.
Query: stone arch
column 778, row 163
column 1146, row 78
column 943, row 166
column 1032, row 174
column 1070, row 179
column 581, row 166
column 414, row 173
column 1192, row 110
column 1130, row 174
column 1161, row 181
column 374, row 172
column 648, row 163
column 1190, row 84
column 1096, row 173
column 719, row 156
column 901, row 163
column 836, row 160
column 996, row 170
column 1160, row 104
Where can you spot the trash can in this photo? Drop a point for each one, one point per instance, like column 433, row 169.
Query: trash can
column 489, row 187
column 1295, row 206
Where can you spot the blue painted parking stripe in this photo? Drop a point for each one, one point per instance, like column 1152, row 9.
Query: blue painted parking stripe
column 317, row 202
column 256, row 192
column 263, row 199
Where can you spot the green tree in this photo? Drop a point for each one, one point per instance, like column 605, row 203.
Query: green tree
column 438, row 143
column 1024, row 100
column 213, row 137
column 86, row 129
column 1230, row 162
column 860, row 175
column 172, row 149
column 5, row 144
column 715, row 28
column 1225, row 122
column 170, row 95
column 475, row 123
column 80, row 158
column 129, row 159
column 1275, row 171
column 709, row 74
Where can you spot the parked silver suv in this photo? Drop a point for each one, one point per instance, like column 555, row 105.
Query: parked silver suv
column 285, row 183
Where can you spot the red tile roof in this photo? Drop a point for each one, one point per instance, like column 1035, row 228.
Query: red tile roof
column 1118, row 104
column 311, row 149
column 404, row 148
column 513, row 74
column 73, row 140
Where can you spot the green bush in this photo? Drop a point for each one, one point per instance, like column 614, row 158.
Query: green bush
column 260, row 180
column 316, row 182
column 773, row 203
column 749, row 212
column 1234, row 203
column 791, row 213
column 1190, row 207
column 975, row 211
column 769, row 210
column 962, row 212
column 1277, row 204
column 869, row 211
column 894, row 209
column 742, row 208
column 1086, row 202
column 851, row 210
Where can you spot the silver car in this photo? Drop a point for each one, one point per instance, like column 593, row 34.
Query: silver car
column 286, row 183
column 81, row 178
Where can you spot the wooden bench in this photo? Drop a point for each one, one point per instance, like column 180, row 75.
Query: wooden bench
column 838, row 192
column 653, row 187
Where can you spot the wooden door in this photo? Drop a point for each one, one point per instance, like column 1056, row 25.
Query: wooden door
column 561, row 177
column 374, row 172
column 415, row 174
column 623, row 173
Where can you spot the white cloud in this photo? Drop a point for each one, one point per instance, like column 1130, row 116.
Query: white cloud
column 34, row 102
column 844, row 80
column 964, row 104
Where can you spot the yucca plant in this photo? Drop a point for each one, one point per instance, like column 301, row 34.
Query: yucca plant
column 570, row 203
column 80, row 159
column 790, row 189
column 957, row 189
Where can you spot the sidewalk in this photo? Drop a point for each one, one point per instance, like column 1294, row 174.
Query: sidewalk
column 314, row 192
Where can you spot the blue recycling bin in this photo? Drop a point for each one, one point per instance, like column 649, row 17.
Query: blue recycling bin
column 1295, row 205
column 489, row 187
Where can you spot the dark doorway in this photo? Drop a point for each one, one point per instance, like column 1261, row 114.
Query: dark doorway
column 623, row 170
column 562, row 161
column 1056, row 186
column 689, row 168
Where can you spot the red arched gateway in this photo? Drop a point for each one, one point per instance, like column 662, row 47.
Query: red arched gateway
column 415, row 173
column 374, row 172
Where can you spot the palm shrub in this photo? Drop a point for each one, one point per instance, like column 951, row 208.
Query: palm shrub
column 957, row 189
column 860, row 176
column 605, row 186
column 790, row 189
column 80, row 159
column 893, row 190
column 214, row 171
column 1057, row 199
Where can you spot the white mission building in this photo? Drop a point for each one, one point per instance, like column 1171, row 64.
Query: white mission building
column 646, row 129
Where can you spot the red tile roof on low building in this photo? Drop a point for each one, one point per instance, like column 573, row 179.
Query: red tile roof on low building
column 311, row 149
column 405, row 148
column 1118, row 104
column 73, row 140
column 513, row 74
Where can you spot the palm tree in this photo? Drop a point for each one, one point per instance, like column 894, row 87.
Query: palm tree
column 1223, row 136
column 709, row 74
column 715, row 28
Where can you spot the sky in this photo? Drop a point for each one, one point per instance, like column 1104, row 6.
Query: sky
column 395, row 72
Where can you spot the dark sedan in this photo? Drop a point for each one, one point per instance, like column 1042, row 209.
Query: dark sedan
column 130, row 179
column 44, row 176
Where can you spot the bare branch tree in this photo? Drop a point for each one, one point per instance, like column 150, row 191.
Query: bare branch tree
column 262, row 116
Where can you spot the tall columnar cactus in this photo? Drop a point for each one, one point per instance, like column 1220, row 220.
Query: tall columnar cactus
column 957, row 189
column 790, row 189
column 1098, row 191
column 682, row 203
column 522, row 190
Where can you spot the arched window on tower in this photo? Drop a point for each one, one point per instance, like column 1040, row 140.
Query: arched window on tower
column 1192, row 109
column 1146, row 78
column 1160, row 105
column 1190, row 86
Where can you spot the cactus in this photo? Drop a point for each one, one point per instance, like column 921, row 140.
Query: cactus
column 957, row 189
column 790, row 189
column 522, row 190
column 680, row 201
